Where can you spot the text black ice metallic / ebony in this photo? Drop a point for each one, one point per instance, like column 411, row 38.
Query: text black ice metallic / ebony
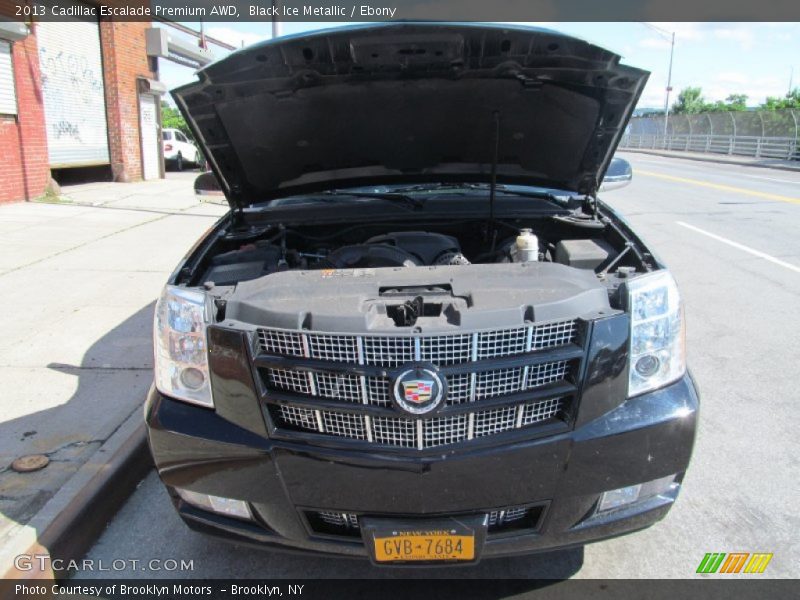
column 419, row 337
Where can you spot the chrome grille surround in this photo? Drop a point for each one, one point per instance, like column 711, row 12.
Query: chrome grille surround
column 496, row 367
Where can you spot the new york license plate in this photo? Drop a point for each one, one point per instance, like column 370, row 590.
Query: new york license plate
column 423, row 545
column 447, row 539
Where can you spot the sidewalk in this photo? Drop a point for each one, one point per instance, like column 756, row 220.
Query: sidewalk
column 744, row 161
column 79, row 279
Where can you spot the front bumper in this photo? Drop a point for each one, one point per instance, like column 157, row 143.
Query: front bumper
column 645, row 438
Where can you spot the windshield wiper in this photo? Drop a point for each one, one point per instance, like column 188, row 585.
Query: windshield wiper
column 432, row 187
column 500, row 189
column 541, row 195
column 410, row 201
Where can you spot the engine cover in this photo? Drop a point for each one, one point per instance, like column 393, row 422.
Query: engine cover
column 465, row 296
column 425, row 246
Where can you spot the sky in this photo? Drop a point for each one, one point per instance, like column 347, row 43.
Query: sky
column 756, row 59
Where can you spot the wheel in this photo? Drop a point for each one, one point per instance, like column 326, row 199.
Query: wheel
column 179, row 162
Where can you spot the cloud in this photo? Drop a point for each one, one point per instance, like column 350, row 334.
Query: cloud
column 756, row 88
column 654, row 43
column 653, row 97
column 745, row 36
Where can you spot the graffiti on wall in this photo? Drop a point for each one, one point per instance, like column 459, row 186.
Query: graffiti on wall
column 72, row 88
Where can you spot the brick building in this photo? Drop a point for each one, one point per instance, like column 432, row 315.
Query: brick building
column 76, row 99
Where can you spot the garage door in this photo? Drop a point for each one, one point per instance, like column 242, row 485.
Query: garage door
column 72, row 87
column 148, row 117
column 8, row 98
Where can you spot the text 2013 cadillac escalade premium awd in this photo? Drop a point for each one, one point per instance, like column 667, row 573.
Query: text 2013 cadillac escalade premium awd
column 418, row 336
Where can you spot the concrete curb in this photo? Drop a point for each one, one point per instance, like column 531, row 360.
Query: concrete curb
column 65, row 528
column 720, row 158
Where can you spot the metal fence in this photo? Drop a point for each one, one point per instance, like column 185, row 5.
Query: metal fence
column 758, row 133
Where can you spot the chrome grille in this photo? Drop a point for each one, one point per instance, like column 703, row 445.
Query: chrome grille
column 388, row 351
column 289, row 380
column 378, row 390
column 304, row 418
column 540, row 411
column 275, row 341
column 459, row 388
column 549, row 335
column 487, row 384
column 499, row 382
column 446, row 349
column 494, row 421
column 344, row 425
column 393, row 351
column 545, row 373
column 440, row 431
column 486, row 380
column 340, row 348
column 505, row 342
column 394, row 432
column 339, row 386
column 424, row 433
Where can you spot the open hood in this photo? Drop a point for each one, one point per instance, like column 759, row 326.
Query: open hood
column 410, row 103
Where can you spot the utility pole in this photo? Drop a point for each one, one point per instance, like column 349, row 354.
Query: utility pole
column 669, row 84
column 276, row 25
column 670, row 37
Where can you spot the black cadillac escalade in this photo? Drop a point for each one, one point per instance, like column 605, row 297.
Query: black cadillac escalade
column 418, row 336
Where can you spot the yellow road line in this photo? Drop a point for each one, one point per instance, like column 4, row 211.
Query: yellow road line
column 718, row 186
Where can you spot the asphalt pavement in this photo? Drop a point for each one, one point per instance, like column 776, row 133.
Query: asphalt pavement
column 731, row 236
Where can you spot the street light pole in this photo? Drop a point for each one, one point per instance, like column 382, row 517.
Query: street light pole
column 276, row 24
column 669, row 85
column 669, row 36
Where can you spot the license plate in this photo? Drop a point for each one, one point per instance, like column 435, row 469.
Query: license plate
column 432, row 540
column 429, row 545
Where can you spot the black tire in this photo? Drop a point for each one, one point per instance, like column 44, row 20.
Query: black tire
column 179, row 162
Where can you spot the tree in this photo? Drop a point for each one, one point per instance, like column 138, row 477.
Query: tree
column 736, row 102
column 690, row 101
column 790, row 100
column 172, row 119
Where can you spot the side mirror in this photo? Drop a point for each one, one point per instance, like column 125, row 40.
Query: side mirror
column 618, row 174
column 206, row 184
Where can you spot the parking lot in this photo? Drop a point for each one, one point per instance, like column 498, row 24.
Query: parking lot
column 731, row 236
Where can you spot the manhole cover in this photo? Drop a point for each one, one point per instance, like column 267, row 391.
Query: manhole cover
column 32, row 462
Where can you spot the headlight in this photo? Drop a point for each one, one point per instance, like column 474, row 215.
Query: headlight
column 658, row 353
column 181, row 363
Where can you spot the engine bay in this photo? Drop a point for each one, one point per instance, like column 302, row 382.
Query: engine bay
column 433, row 276
column 289, row 249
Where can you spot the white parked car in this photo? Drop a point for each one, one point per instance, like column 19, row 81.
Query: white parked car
column 179, row 150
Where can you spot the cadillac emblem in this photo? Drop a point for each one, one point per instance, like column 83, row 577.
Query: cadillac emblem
column 419, row 390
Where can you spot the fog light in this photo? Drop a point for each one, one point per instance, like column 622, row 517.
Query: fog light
column 647, row 365
column 217, row 504
column 620, row 497
column 192, row 378
column 634, row 493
